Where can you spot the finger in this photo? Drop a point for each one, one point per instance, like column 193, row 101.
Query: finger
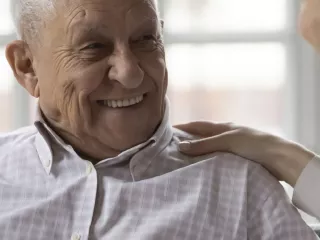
column 204, row 128
column 219, row 143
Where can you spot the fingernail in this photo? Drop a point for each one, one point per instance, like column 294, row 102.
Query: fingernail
column 185, row 146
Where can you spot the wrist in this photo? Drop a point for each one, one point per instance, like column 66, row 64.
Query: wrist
column 295, row 159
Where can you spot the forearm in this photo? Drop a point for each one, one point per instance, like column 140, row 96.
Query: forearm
column 291, row 160
column 286, row 160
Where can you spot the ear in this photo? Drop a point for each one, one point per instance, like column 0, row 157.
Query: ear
column 162, row 24
column 20, row 59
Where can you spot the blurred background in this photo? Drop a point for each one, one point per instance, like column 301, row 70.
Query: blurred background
column 228, row 60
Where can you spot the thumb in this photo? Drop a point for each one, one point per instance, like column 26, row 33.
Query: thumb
column 203, row 146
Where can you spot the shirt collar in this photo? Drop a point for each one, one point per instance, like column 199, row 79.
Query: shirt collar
column 46, row 136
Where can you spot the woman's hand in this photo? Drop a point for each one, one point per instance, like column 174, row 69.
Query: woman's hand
column 284, row 159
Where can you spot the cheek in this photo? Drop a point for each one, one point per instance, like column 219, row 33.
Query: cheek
column 76, row 85
column 155, row 66
column 88, row 79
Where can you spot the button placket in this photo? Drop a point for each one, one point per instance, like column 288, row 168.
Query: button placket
column 88, row 203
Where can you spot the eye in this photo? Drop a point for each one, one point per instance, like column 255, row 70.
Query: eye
column 94, row 46
column 147, row 42
column 147, row 38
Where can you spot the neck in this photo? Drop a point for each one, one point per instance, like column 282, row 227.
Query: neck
column 87, row 147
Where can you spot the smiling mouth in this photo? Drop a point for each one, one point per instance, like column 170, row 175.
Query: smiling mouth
column 121, row 103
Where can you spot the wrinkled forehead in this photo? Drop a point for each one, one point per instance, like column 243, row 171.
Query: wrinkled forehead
column 111, row 13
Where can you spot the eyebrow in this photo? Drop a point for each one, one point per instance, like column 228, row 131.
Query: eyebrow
column 146, row 22
column 84, row 30
column 88, row 27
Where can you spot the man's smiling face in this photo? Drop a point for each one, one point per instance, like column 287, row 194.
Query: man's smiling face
column 102, row 73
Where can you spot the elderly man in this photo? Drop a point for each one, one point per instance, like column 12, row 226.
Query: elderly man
column 102, row 161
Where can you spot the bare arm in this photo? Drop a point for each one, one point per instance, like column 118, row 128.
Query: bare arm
column 284, row 159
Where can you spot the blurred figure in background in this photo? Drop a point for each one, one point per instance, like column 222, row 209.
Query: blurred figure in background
column 288, row 161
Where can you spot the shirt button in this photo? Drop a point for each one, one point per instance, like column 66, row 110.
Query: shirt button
column 75, row 236
column 48, row 163
column 89, row 168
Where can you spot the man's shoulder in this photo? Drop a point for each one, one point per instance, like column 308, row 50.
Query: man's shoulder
column 17, row 138
column 219, row 157
column 228, row 163
column 260, row 183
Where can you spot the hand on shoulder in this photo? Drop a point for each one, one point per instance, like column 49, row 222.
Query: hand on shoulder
column 283, row 158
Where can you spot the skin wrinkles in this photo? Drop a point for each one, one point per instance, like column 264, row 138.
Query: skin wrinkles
column 79, row 12
column 69, row 89
column 66, row 58
column 61, row 58
column 102, row 50
column 82, row 110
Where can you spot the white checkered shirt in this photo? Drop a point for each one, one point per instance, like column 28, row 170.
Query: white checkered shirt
column 150, row 192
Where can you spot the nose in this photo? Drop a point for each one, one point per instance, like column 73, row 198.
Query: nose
column 125, row 68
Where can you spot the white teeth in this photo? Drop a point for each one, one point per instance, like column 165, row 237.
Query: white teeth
column 126, row 102
column 132, row 101
column 123, row 103
column 119, row 103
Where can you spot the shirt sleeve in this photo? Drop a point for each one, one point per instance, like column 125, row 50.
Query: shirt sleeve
column 271, row 215
column 306, row 194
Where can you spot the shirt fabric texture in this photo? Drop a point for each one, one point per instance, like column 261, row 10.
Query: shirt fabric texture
column 149, row 192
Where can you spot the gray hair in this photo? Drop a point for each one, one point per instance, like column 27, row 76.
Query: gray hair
column 28, row 16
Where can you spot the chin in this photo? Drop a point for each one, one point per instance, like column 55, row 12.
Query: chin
column 123, row 128
column 124, row 135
